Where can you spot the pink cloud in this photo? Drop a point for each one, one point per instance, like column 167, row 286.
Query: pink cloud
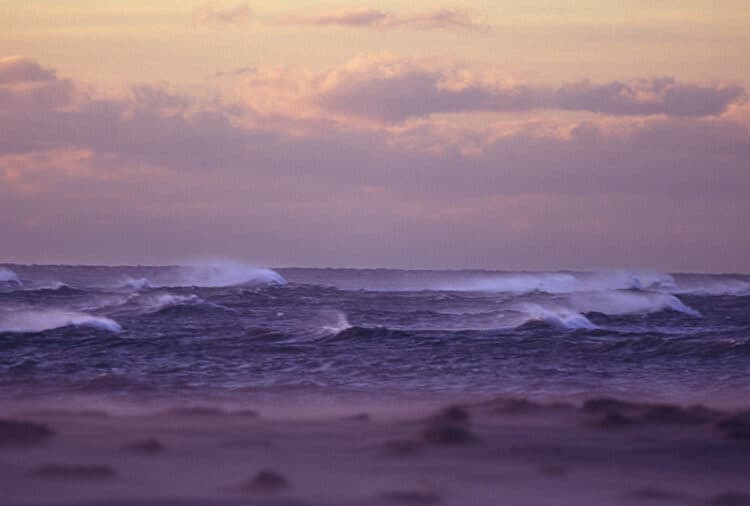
column 104, row 176
column 16, row 69
column 393, row 90
column 438, row 19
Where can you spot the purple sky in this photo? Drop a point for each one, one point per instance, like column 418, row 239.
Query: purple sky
column 379, row 159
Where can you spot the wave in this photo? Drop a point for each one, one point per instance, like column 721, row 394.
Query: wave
column 622, row 302
column 223, row 274
column 562, row 318
column 527, row 282
column 8, row 277
column 53, row 286
column 337, row 323
column 164, row 301
column 136, row 284
column 38, row 320
column 564, row 312
column 714, row 287
column 561, row 283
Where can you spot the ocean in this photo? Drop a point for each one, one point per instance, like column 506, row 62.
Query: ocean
column 227, row 333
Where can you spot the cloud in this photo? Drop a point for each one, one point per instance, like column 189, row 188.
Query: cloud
column 25, row 84
column 156, row 98
column 16, row 69
column 214, row 14
column 437, row 19
column 103, row 176
column 647, row 96
column 392, row 90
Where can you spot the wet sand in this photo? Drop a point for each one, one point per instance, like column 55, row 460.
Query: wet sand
column 499, row 452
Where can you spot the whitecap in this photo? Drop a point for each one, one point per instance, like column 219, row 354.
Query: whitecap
column 137, row 284
column 530, row 282
column 38, row 320
column 224, row 274
column 558, row 317
column 622, row 302
column 9, row 277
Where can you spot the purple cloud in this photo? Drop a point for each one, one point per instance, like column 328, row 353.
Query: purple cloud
column 415, row 92
column 107, row 176
column 647, row 96
column 17, row 69
column 439, row 19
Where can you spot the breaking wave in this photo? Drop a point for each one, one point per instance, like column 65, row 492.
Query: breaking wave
column 224, row 274
column 626, row 302
column 562, row 318
column 560, row 283
column 137, row 284
column 39, row 320
column 714, row 287
column 523, row 282
column 163, row 301
column 9, row 277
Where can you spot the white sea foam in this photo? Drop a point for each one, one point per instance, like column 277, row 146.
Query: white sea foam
column 531, row 282
column 326, row 324
column 39, row 320
column 9, row 277
column 628, row 302
column 559, row 317
column 167, row 300
column 337, row 322
column 136, row 284
column 226, row 273
column 563, row 282
column 51, row 285
column 714, row 287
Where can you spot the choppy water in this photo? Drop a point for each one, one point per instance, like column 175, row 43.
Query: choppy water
column 228, row 331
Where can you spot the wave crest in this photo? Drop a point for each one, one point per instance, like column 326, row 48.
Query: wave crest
column 136, row 284
column 624, row 302
column 226, row 274
column 9, row 277
column 562, row 282
column 39, row 320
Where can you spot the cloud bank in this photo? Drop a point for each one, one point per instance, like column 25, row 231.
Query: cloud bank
column 392, row 90
column 656, row 179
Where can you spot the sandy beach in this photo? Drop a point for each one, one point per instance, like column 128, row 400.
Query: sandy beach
column 503, row 451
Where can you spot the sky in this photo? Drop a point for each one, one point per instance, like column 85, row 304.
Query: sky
column 493, row 134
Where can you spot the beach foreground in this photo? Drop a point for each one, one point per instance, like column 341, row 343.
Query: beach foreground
column 503, row 451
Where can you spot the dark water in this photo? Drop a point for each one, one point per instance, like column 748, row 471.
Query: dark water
column 228, row 331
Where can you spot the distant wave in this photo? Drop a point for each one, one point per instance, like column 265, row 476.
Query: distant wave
column 136, row 284
column 529, row 282
column 559, row 283
column 164, row 301
column 714, row 287
column 213, row 275
column 9, row 277
column 227, row 274
column 38, row 320
column 51, row 286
